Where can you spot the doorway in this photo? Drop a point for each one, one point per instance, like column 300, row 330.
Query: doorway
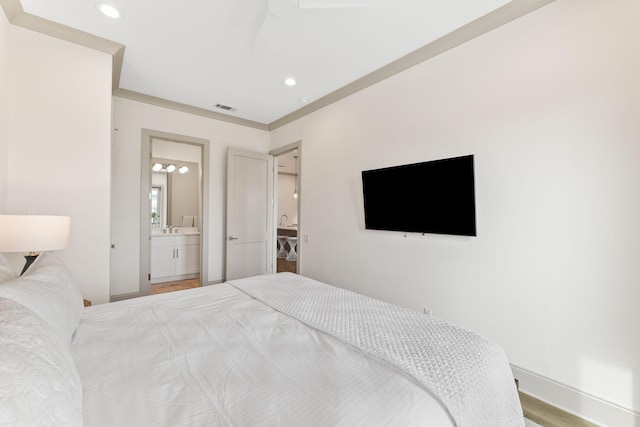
column 287, row 183
column 174, row 212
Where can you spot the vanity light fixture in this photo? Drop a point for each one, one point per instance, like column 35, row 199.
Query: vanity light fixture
column 109, row 10
column 160, row 167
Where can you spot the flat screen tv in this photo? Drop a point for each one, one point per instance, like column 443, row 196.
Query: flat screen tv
column 430, row 197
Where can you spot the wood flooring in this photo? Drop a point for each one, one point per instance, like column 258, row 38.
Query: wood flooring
column 286, row 266
column 178, row 285
column 549, row 416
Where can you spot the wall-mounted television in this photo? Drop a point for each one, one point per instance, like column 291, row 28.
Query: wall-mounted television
column 430, row 197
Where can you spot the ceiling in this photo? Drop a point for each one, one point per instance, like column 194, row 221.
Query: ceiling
column 238, row 53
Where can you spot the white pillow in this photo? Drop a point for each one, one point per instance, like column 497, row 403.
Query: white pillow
column 6, row 272
column 48, row 289
column 39, row 383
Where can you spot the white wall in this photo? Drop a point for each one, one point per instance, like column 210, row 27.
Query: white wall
column 58, row 153
column 549, row 106
column 130, row 117
column 4, row 108
column 287, row 204
column 176, row 151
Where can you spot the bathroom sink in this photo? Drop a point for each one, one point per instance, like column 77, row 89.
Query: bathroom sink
column 183, row 231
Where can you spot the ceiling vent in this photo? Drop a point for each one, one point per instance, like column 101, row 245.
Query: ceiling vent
column 225, row 107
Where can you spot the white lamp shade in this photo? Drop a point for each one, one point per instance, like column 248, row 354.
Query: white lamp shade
column 34, row 233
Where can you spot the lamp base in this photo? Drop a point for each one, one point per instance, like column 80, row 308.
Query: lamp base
column 30, row 258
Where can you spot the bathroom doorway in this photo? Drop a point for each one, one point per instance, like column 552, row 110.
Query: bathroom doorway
column 174, row 243
column 287, row 183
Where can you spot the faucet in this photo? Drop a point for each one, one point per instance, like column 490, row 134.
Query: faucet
column 282, row 222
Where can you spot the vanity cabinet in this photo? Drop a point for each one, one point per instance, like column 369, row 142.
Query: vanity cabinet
column 174, row 256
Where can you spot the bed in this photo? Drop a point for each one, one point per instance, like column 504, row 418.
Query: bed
column 271, row 350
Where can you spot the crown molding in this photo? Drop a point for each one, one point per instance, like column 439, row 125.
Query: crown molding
column 17, row 16
column 504, row 15
column 499, row 17
column 11, row 8
column 161, row 102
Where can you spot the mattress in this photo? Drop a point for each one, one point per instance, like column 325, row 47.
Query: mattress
column 215, row 356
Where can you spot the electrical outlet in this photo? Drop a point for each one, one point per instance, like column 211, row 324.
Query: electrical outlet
column 427, row 311
column 305, row 238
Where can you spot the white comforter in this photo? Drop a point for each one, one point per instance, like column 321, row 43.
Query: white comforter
column 467, row 373
column 214, row 356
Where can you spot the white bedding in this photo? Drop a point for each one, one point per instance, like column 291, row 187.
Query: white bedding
column 466, row 372
column 39, row 384
column 214, row 356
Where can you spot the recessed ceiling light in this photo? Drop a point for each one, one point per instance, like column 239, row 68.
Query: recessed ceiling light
column 109, row 10
column 290, row 81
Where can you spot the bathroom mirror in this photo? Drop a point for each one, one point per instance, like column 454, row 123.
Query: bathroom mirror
column 175, row 194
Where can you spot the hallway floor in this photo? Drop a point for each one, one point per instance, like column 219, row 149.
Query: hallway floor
column 178, row 285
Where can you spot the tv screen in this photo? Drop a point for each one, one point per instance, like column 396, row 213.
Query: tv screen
column 430, row 197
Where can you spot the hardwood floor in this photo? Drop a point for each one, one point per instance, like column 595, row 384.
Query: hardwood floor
column 286, row 266
column 549, row 416
column 282, row 264
column 178, row 285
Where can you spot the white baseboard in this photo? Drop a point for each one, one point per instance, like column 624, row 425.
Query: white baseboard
column 574, row 401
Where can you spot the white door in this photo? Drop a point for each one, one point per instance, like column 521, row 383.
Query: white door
column 249, row 214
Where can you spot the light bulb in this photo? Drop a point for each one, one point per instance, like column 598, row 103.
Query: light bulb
column 156, row 167
column 171, row 168
column 183, row 169
column 295, row 195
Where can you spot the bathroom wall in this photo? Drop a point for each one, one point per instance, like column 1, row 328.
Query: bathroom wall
column 287, row 204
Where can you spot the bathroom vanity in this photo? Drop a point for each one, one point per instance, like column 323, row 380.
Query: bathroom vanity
column 174, row 255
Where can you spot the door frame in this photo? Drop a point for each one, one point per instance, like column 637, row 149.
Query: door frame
column 275, row 153
column 145, row 207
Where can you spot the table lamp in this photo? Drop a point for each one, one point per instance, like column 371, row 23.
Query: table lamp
column 33, row 234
